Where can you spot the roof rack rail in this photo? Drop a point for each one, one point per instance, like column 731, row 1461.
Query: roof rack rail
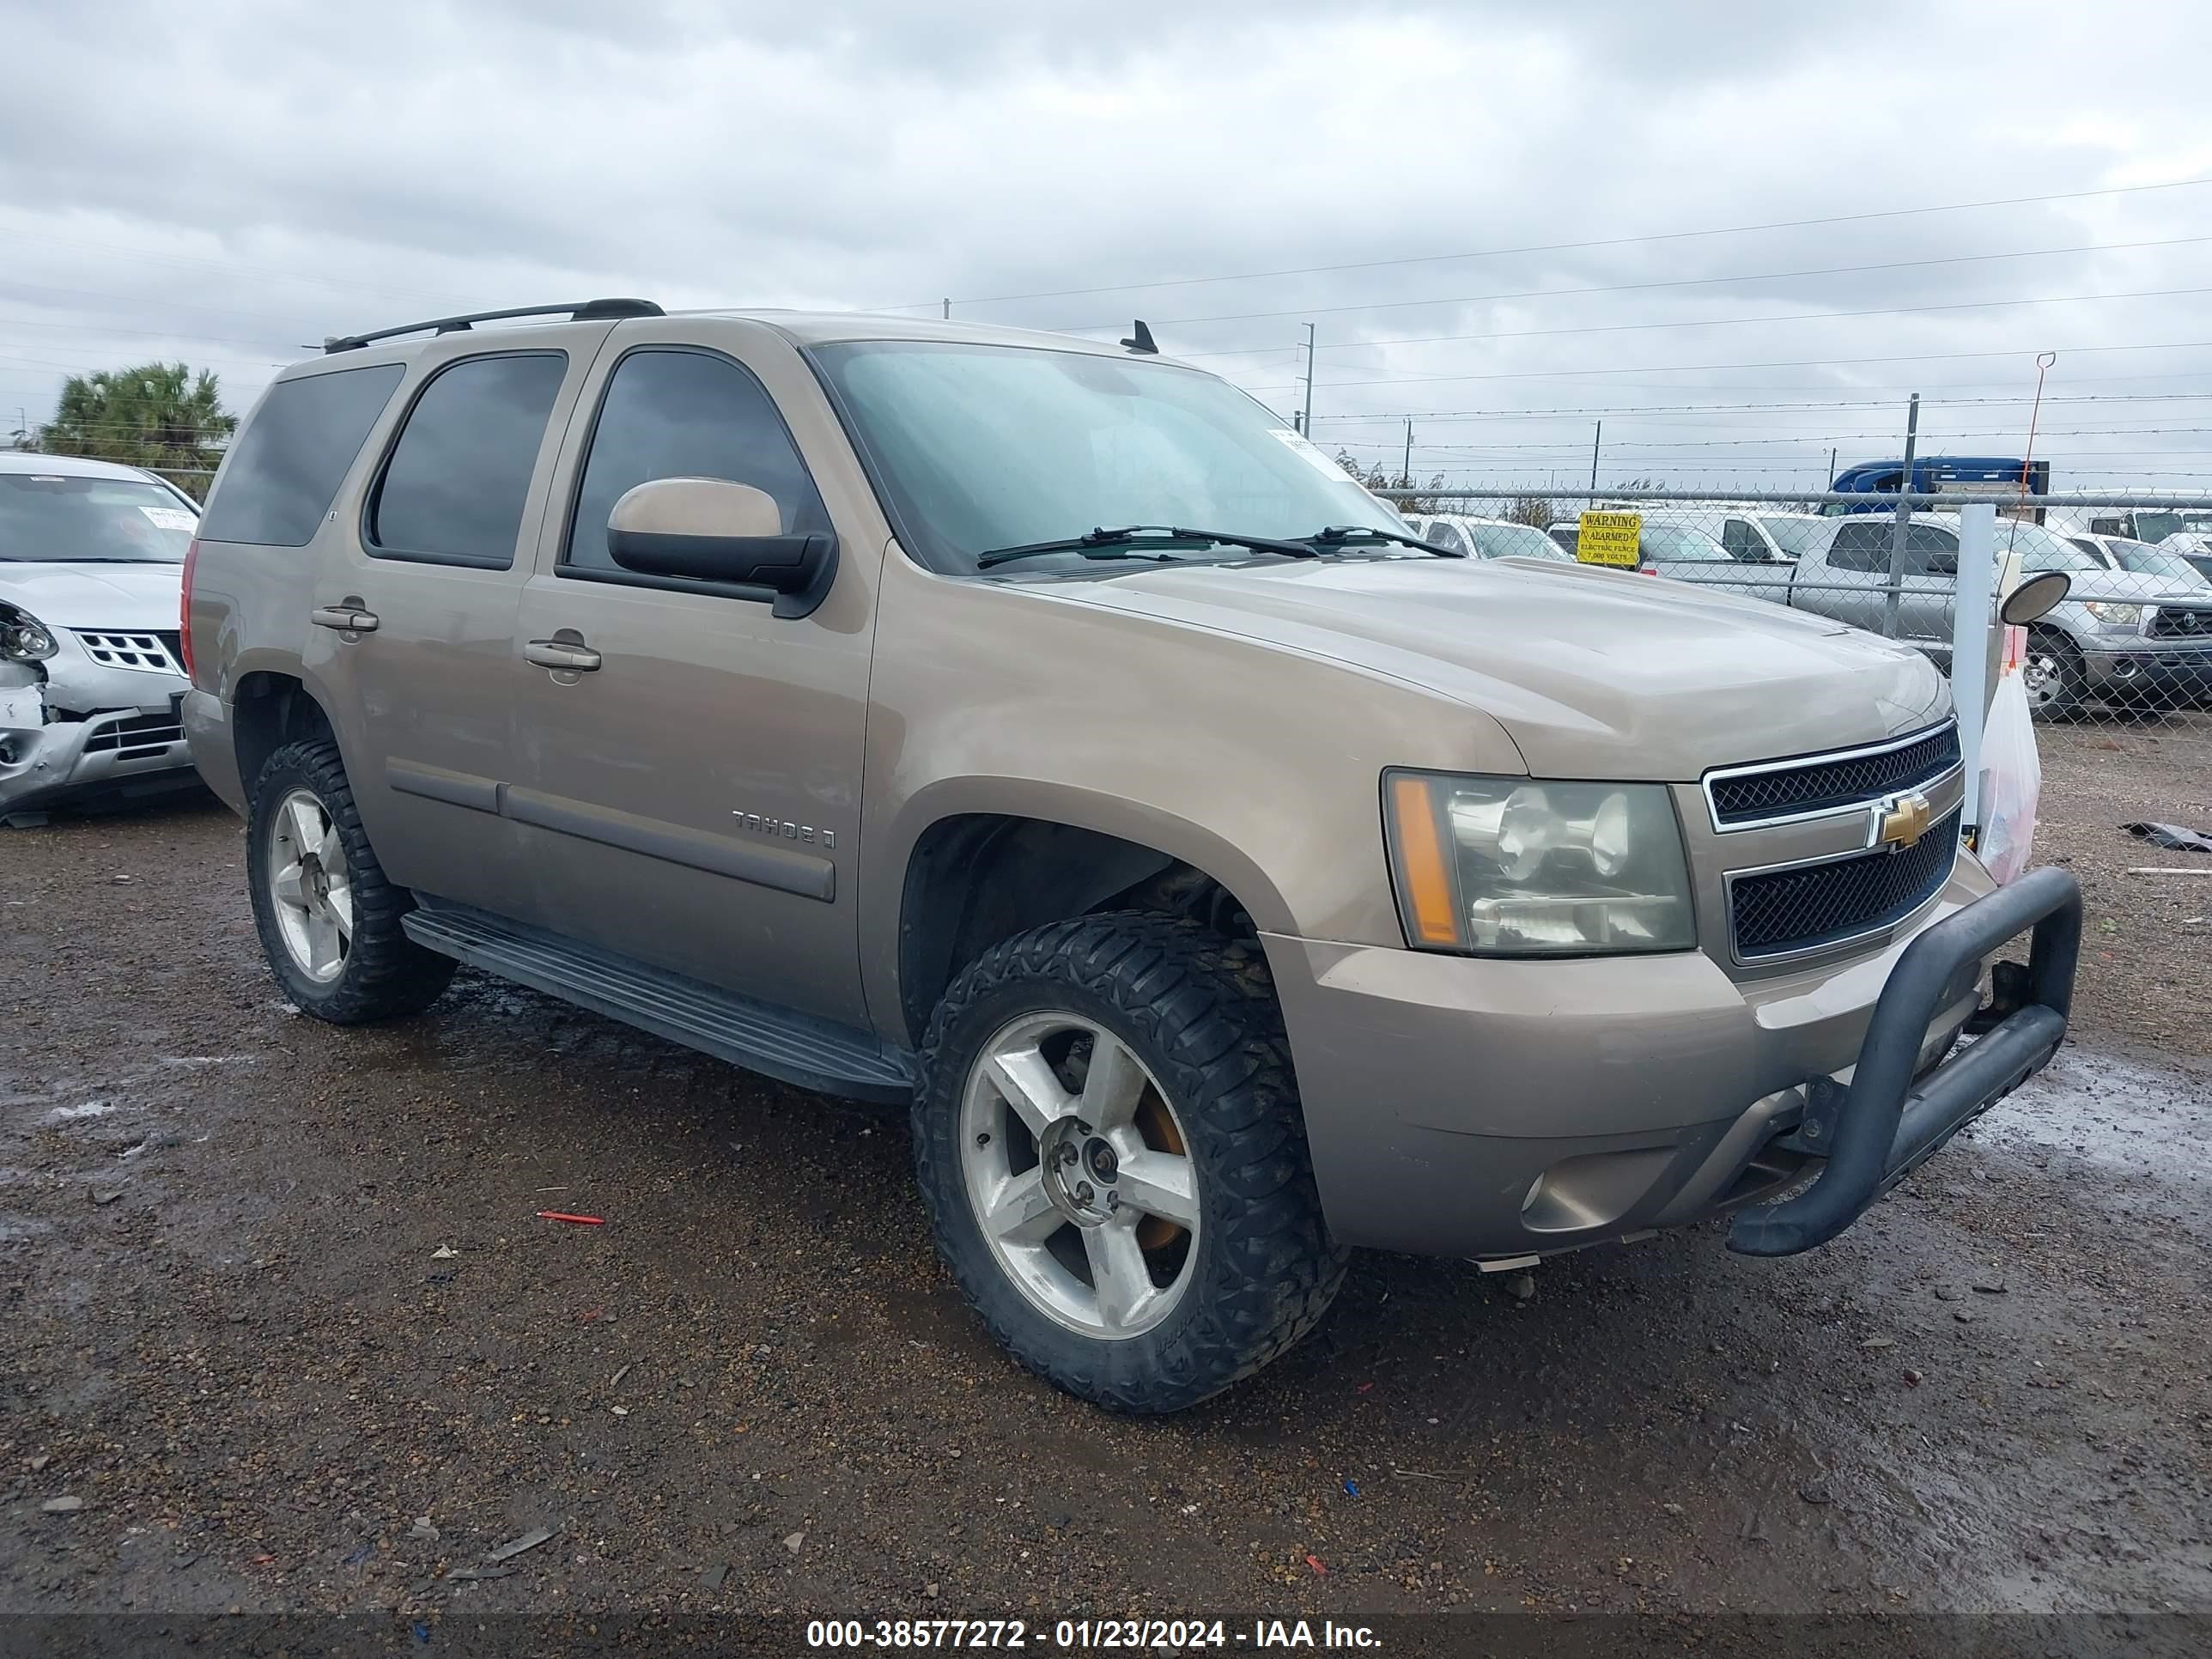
column 585, row 311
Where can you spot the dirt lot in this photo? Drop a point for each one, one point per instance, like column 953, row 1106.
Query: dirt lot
column 273, row 1292
column 2148, row 948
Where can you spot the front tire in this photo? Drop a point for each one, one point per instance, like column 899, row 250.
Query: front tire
column 329, row 920
column 1109, row 1142
column 2057, row 682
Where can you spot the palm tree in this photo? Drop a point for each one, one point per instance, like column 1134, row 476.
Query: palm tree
column 160, row 415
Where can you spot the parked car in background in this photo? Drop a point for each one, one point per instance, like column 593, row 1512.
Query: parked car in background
column 91, row 563
column 1009, row 727
column 2143, row 639
column 1740, row 532
column 1661, row 543
column 1486, row 538
column 2194, row 545
column 2142, row 559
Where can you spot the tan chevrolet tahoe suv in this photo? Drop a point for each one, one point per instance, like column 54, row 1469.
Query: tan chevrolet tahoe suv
column 1039, row 735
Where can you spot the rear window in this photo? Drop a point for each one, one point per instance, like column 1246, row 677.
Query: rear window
column 286, row 467
column 54, row 518
column 453, row 491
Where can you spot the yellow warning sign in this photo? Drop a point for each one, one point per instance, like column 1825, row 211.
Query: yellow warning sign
column 1611, row 538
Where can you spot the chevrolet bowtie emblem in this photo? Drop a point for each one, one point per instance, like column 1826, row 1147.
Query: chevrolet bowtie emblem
column 1901, row 820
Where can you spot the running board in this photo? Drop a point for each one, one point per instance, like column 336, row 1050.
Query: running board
column 797, row 1049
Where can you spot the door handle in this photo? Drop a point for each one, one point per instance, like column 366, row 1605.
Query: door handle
column 559, row 654
column 344, row 618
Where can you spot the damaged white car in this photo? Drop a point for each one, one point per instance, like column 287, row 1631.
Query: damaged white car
column 91, row 666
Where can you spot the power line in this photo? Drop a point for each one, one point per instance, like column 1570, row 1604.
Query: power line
column 1633, row 410
column 1791, row 316
column 1623, row 287
column 1810, row 438
column 1798, row 362
column 1560, row 247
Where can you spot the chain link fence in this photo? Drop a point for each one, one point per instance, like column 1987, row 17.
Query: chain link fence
column 2129, row 649
column 2118, row 675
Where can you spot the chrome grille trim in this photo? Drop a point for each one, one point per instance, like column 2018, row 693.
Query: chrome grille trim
column 149, row 650
column 1726, row 825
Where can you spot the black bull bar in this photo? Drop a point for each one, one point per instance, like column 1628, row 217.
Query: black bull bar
column 1887, row 1124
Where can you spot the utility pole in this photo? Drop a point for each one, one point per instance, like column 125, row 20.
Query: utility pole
column 1597, row 438
column 1406, row 477
column 1892, row 605
column 1305, row 420
column 948, row 311
column 1832, row 467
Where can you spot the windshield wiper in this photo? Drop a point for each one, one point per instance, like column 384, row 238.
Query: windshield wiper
column 1105, row 544
column 1360, row 535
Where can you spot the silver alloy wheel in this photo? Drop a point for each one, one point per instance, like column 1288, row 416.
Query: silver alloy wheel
column 311, row 886
column 2042, row 678
column 1078, row 1170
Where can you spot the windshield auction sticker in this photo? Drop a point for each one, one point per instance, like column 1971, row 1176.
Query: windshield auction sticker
column 1610, row 538
column 1309, row 452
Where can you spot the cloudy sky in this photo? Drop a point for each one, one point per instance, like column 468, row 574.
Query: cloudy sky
column 1508, row 222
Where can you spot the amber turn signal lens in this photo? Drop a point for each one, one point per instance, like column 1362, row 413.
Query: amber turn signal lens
column 1422, row 858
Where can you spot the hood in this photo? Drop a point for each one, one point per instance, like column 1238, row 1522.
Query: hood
column 2134, row 587
column 96, row 596
column 1593, row 673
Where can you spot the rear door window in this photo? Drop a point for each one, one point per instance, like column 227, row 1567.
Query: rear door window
column 287, row 466
column 1863, row 544
column 677, row 412
column 1743, row 542
column 455, row 485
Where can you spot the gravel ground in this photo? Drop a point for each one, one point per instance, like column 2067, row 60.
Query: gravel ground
column 2146, row 940
column 274, row 1290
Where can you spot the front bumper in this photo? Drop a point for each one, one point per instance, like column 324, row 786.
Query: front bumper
column 116, row 753
column 2177, row 671
column 1499, row 1109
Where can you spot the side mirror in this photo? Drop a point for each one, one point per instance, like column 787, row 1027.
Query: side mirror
column 711, row 530
column 2033, row 598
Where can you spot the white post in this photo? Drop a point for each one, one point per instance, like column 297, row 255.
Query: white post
column 1973, row 620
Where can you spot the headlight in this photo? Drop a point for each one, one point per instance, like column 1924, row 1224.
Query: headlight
column 2113, row 615
column 1511, row 866
column 23, row 637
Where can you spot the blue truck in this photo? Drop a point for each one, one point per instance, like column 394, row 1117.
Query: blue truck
column 1968, row 478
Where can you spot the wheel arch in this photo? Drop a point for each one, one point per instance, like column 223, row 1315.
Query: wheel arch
column 270, row 708
column 986, row 865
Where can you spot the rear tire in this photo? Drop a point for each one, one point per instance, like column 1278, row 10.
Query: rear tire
column 329, row 920
column 1197, row 1118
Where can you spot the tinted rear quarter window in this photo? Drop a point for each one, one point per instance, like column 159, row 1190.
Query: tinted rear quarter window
column 287, row 464
column 457, row 481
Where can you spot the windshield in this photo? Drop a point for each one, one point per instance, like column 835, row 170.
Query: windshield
column 2156, row 561
column 52, row 517
column 2039, row 550
column 1663, row 542
column 983, row 447
column 1514, row 541
column 1795, row 537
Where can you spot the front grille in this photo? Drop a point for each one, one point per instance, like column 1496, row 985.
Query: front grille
column 1800, row 788
column 1811, row 905
column 155, row 652
column 2180, row 624
column 136, row 736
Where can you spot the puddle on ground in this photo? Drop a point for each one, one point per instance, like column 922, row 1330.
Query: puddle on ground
column 2138, row 1117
